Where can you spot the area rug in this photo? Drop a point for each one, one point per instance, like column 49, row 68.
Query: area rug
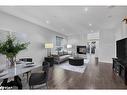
column 69, row 67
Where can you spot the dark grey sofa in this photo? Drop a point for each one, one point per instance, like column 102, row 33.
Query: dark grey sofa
column 61, row 57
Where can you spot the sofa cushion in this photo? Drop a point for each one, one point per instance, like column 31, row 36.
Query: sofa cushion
column 70, row 52
column 64, row 57
column 60, row 53
column 65, row 52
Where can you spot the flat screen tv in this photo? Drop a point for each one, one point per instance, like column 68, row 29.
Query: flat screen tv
column 121, row 49
column 81, row 49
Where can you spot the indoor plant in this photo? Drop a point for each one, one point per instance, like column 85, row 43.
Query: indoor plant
column 10, row 47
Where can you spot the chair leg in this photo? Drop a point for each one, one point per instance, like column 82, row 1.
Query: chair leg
column 31, row 87
column 27, row 76
column 47, row 85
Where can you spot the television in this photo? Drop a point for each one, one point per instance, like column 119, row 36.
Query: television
column 81, row 49
column 121, row 49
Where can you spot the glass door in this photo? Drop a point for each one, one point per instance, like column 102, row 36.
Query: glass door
column 91, row 46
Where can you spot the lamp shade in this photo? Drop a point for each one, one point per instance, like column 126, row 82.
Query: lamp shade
column 69, row 46
column 48, row 45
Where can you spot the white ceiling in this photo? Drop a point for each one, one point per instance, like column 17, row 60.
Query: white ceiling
column 70, row 20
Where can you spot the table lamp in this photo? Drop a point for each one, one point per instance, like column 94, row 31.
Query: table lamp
column 69, row 46
column 48, row 46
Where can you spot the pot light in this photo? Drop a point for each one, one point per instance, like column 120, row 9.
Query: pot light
column 47, row 21
column 86, row 9
column 90, row 24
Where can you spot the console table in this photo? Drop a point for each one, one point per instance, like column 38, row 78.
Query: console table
column 120, row 68
column 50, row 59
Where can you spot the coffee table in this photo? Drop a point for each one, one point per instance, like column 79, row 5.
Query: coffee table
column 76, row 61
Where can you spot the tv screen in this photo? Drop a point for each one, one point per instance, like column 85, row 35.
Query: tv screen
column 81, row 49
column 121, row 49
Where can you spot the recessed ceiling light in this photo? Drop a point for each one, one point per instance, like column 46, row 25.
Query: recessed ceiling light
column 86, row 9
column 90, row 24
column 47, row 21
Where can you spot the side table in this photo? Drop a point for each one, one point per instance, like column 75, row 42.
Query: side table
column 50, row 60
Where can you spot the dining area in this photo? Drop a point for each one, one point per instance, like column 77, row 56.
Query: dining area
column 13, row 77
column 16, row 68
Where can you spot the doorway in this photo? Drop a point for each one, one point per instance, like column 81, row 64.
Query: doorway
column 91, row 47
column 92, row 51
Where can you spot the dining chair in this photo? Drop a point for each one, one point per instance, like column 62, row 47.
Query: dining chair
column 41, row 77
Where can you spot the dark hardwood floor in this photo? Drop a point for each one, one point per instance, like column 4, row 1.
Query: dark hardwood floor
column 96, row 76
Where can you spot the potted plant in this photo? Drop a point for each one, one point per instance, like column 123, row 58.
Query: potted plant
column 11, row 48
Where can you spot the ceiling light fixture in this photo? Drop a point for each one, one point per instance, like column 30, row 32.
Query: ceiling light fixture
column 90, row 24
column 86, row 9
column 47, row 21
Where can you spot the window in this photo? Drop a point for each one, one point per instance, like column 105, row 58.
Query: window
column 59, row 41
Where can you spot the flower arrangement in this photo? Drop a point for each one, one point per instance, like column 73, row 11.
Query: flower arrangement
column 11, row 48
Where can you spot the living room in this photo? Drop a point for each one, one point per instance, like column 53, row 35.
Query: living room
column 80, row 40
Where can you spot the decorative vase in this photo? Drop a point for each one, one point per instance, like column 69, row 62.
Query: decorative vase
column 11, row 62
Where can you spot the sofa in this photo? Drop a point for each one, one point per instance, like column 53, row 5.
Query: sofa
column 61, row 57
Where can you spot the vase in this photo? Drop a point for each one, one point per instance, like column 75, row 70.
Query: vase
column 11, row 62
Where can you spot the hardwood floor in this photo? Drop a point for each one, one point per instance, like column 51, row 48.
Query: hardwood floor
column 96, row 76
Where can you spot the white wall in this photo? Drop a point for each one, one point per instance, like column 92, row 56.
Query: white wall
column 35, row 34
column 107, row 45
column 121, row 31
column 93, row 36
column 124, row 30
column 78, row 39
